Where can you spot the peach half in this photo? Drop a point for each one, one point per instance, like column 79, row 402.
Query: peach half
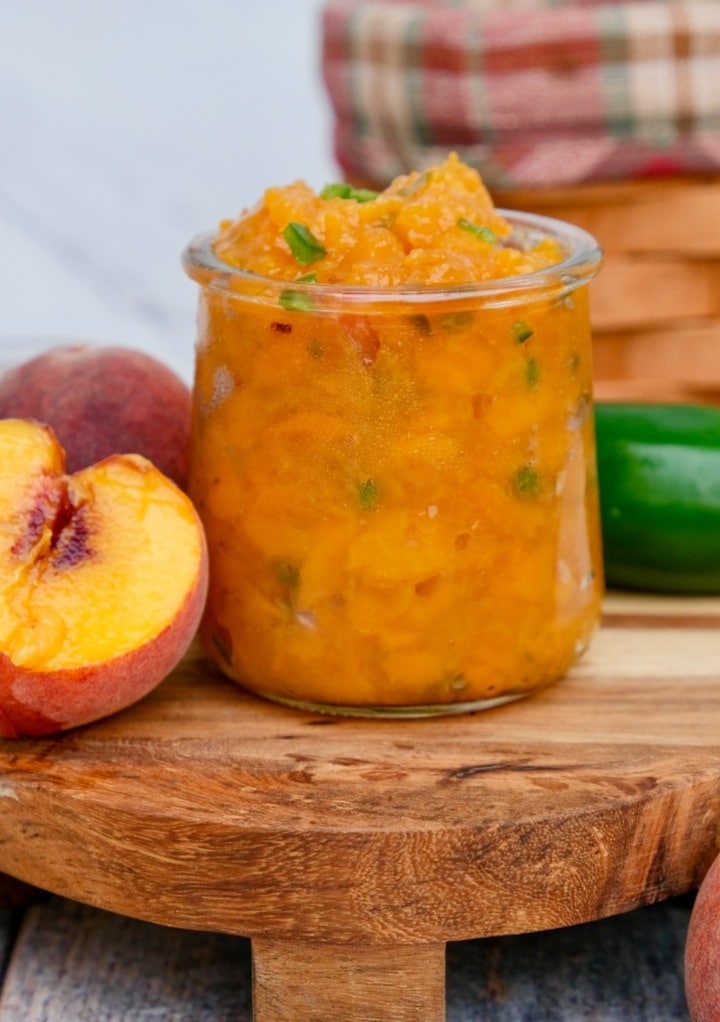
column 103, row 578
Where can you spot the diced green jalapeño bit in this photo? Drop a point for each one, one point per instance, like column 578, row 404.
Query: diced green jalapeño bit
column 527, row 481
column 456, row 320
column 303, row 244
column 296, row 301
column 478, row 230
column 287, row 574
column 342, row 190
column 532, row 372
column 421, row 324
column 521, row 331
column 368, row 495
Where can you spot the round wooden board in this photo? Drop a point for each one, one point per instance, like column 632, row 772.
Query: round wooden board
column 205, row 808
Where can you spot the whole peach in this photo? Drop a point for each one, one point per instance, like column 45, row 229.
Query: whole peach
column 702, row 950
column 104, row 400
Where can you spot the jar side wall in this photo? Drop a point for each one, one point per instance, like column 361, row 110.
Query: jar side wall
column 401, row 506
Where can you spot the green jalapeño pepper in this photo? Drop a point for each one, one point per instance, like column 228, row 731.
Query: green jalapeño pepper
column 659, row 480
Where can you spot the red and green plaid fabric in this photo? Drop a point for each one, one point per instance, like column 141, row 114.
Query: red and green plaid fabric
column 533, row 94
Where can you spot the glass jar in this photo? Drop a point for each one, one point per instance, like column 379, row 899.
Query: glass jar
column 398, row 486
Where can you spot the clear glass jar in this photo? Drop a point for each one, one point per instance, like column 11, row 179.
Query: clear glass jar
column 398, row 486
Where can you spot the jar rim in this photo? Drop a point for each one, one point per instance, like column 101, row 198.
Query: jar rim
column 582, row 261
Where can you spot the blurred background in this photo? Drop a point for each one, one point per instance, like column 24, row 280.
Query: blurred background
column 127, row 126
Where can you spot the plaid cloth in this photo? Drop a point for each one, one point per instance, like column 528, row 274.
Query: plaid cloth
column 533, row 95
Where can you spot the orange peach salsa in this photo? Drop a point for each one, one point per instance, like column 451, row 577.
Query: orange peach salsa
column 398, row 490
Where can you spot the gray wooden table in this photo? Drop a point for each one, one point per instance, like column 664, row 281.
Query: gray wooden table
column 65, row 962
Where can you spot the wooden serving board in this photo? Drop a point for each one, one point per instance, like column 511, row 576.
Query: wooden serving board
column 351, row 851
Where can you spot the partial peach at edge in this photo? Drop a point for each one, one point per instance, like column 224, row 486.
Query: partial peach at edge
column 103, row 578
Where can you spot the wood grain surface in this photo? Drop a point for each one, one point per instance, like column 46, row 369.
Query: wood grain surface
column 655, row 308
column 297, row 982
column 642, row 217
column 205, row 808
column 684, row 359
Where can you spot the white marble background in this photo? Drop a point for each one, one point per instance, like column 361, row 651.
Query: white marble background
column 127, row 126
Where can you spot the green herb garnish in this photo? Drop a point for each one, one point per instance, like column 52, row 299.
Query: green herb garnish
column 363, row 194
column 342, row 190
column 368, row 495
column 477, row 230
column 521, row 331
column 303, row 244
column 336, row 190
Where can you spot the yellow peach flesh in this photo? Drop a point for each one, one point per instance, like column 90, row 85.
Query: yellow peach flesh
column 103, row 577
column 142, row 555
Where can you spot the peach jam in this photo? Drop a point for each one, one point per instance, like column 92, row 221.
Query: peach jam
column 393, row 451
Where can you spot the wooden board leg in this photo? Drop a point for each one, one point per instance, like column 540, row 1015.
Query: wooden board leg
column 302, row 982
